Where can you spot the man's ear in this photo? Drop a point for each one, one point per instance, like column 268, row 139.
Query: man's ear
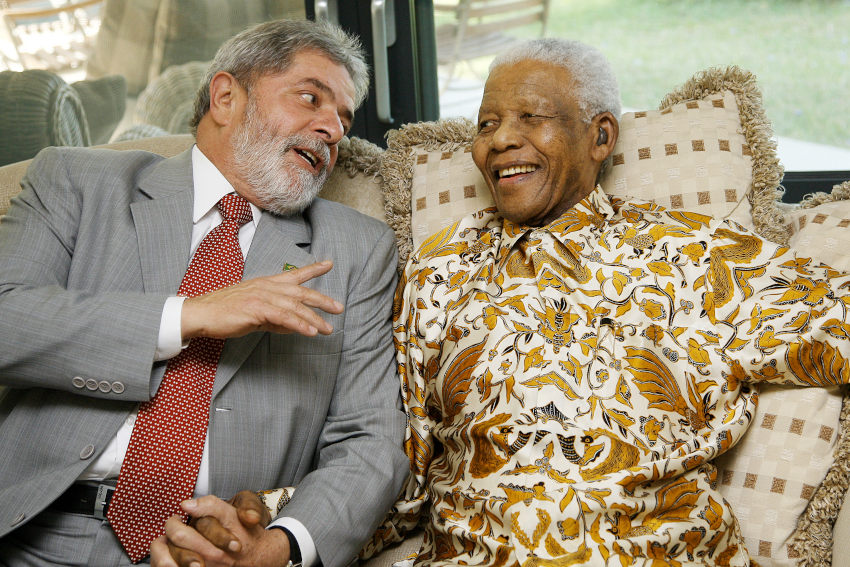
column 226, row 96
column 606, row 128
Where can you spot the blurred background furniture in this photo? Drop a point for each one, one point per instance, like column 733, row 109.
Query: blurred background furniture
column 140, row 39
column 56, row 36
column 167, row 102
column 485, row 27
column 41, row 109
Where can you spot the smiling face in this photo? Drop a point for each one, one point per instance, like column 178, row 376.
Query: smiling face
column 281, row 137
column 537, row 155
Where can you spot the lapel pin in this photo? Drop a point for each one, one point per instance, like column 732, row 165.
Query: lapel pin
column 288, row 266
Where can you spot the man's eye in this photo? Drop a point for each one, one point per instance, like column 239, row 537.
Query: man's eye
column 309, row 97
column 484, row 124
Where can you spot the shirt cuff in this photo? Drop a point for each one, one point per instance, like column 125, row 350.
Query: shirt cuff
column 169, row 343
column 309, row 556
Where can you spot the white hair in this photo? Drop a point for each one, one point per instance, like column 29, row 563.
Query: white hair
column 595, row 85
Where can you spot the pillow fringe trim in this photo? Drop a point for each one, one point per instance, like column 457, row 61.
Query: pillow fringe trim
column 357, row 155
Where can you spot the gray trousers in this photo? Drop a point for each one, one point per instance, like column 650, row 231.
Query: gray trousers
column 58, row 538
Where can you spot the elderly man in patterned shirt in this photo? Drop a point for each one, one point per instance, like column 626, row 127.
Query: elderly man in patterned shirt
column 571, row 363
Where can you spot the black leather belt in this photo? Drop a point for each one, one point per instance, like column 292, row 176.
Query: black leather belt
column 88, row 499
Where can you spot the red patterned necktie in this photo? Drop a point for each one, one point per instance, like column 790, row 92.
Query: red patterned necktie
column 162, row 461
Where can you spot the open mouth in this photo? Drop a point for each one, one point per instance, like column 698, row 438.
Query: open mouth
column 309, row 156
column 515, row 170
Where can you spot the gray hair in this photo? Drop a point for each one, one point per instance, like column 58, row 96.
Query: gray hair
column 269, row 49
column 595, row 84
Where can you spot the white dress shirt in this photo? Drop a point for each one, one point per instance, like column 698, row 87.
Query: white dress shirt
column 209, row 186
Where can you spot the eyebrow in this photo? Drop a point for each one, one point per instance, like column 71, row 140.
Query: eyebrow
column 345, row 112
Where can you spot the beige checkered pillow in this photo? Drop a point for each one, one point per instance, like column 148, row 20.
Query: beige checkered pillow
column 692, row 155
column 773, row 474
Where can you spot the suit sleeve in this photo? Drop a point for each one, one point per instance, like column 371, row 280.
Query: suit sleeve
column 361, row 465
column 59, row 335
column 419, row 443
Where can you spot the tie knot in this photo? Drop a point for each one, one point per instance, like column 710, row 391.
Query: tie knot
column 235, row 208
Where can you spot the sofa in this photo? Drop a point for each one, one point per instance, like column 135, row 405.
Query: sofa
column 709, row 148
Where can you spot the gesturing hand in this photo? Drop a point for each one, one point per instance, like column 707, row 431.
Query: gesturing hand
column 277, row 303
column 221, row 533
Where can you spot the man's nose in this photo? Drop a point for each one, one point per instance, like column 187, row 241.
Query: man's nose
column 506, row 136
column 329, row 126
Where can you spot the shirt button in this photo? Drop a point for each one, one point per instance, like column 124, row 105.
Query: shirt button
column 87, row 452
column 104, row 386
column 91, row 384
column 78, row 382
column 118, row 387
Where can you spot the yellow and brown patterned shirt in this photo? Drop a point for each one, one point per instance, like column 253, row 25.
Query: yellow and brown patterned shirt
column 568, row 386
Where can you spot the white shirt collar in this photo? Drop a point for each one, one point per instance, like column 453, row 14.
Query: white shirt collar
column 210, row 187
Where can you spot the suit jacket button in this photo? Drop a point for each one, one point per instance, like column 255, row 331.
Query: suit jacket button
column 18, row 519
column 87, row 452
column 91, row 384
column 104, row 386
column 118, row 388
column 78, row 382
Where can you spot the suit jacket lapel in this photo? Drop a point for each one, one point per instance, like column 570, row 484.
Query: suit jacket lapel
column 163, row 219
column 277, row 242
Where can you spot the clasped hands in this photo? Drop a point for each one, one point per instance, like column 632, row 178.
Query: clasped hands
column 221, row 534
column 278, row 303
column 233, row 533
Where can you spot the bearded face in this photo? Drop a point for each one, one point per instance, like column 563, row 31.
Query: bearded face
column 266, row 160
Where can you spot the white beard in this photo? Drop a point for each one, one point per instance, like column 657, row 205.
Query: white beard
column 259, row 156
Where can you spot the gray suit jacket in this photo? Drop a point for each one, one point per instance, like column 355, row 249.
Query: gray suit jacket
column 88, row 254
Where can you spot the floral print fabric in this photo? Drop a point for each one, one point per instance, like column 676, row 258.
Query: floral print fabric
column 568, row 386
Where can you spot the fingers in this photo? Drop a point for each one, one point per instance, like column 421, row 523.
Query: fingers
column 250, row 509
column 183, row 557
column 160, row 554
column 218, row 535
column 186, row 546
column 278, row 303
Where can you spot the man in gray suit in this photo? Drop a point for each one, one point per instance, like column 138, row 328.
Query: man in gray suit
column 91, row 255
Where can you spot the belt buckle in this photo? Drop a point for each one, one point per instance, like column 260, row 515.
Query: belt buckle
column 101, row 501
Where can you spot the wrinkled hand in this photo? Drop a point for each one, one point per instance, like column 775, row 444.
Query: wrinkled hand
column 221, row 533
column 277, row 303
